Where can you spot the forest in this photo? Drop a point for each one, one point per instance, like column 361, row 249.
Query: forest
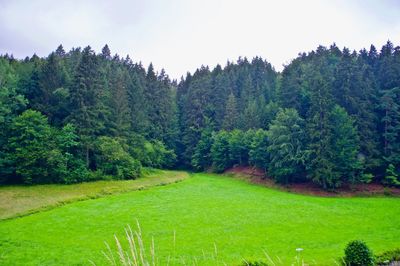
column 331, row 117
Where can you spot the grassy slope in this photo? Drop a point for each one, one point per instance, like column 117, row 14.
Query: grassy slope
column 241, row 219
column 22, row 200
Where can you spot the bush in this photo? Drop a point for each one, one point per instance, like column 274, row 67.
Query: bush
column 366, row 178
column 115, row 161
column 357, row 253
column 391, row 177
column 388, row 256
column 258, row 154
column 157, row 155
column 220, row 151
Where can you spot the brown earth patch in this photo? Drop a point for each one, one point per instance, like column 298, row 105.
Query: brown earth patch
column 257, row 176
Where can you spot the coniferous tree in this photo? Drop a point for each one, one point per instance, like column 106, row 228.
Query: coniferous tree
column 346, row 144
column 87, row 110
column 220, row 151
column 258, row 154
column 286, row 148
column 11, row 104
column 231, row 114
column 320, row 164
column 119, row 107
column 238, row 150
column 390, row 107
column 201, row 158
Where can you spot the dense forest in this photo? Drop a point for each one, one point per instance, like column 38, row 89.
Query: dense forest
column 331, row 117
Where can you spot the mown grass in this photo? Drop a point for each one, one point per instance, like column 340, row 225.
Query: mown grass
column 215, row 219
column 22, row 200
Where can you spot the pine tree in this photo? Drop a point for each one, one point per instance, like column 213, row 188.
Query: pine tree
column 355, row 90
column 53, row 82
column 60, row 52
column 231, row 114
column 201, row 159
column 11, row 104
column 258, row 154
column 286, row 148
column 238, row 150
column 389, row 104
column 346, row 144
column 320, row 165
column 106, row 53
column 391, row 176
column 220, row 151
column 85, row 102
column 119, row 106
column 251, row 118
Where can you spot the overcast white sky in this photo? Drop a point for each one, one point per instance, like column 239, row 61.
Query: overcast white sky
column 182, row 35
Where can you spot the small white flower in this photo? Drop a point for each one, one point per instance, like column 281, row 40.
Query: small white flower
column 299, row 249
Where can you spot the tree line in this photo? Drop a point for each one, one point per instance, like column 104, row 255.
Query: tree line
column 331, row 116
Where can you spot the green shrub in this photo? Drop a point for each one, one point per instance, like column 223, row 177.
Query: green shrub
column 391, row 177
column 220, row 151
column 115, row 161
column 366, row 178
column 388, row 256
column 357, row 253
column 156, row 155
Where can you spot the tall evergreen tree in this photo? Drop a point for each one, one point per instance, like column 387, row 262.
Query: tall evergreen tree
column 231, row 117
column 87, row 110
column 287, row 146
column 389, row 104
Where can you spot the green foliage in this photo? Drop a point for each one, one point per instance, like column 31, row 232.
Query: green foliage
column 231, row 114
column 357, row 253
column 238, row 150
column 42, row 154
column 286, row 145
column 389, row 104
column 391, row 176
column 158, row 156
column 11, row 104
column 115, row 161
column 30, row 146
column 366, row 178
column 201, row 159
column 388, row 256
column 345, row 144
column 220, row 151
column 347, row 102
column 333, row 149
column 258, row 155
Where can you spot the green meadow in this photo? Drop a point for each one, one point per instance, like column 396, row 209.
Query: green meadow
column 205, row 219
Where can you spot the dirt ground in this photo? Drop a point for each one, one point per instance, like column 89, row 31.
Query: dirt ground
column 257, row 176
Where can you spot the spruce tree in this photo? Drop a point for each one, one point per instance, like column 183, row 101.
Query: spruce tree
column 390, row 107
column 231, row 114
column 86, row 108
column 286, row 147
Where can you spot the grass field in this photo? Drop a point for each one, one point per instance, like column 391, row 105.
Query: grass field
column 22, row 200
column 216, row 219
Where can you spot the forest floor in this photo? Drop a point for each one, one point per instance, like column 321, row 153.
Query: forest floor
column 21, row 200
column 257, row 176
column 206, row 219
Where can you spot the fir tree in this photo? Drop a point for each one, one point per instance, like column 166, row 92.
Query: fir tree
column 231, row 114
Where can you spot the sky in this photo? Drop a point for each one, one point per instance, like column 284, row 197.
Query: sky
column 180, row 36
